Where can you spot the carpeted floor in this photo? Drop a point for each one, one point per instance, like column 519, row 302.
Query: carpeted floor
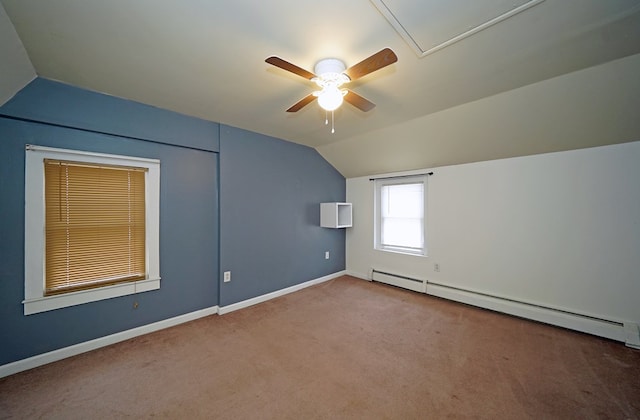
column 346, row 348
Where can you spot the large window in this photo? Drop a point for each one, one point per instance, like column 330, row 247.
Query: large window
column 400, row 215
column 91, row 227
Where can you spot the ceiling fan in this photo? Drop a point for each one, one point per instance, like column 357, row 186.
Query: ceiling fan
column 331, row 74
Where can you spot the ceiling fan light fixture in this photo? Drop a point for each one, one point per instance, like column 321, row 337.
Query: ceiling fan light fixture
column 330, row 98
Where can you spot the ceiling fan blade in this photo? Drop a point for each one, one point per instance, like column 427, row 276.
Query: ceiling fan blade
column 377, row 61
column 302, row 103
column 358, row 101
column 285, row 65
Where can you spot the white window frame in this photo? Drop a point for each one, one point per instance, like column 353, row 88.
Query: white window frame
column 34, row 256
column 400, row 180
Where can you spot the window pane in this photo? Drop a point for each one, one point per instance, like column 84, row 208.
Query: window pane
column 402, row 216
column 402, row 232
column 404, row 200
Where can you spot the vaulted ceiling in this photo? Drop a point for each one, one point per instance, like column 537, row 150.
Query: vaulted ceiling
column 206, row 59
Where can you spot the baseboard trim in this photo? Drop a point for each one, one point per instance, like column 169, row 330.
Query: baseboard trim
column 263, row 298
column 63, row 353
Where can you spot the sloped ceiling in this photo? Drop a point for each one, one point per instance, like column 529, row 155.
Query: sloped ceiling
column 206, row 59
column 15, row 68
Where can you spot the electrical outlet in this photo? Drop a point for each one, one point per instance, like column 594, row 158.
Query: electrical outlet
column 227, row 276
column 436, row 267
column 326, row 255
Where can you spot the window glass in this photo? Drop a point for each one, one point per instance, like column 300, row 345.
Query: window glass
column 400, row 221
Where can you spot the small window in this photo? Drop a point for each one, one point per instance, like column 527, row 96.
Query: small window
column 91, row 227
column 400, row 215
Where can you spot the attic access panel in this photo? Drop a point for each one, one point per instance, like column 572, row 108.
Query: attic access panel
column 430, row 25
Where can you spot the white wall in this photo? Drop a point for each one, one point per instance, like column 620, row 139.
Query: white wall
column 559, row 229
column 16, row 70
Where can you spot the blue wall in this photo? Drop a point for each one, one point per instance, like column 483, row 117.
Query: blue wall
column 188, row 211
column 53, row 102
column 260, row 219
column 270, row 234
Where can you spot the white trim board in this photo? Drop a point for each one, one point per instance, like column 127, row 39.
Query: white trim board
column 63, row 353
column 263, row 298
column 421, row 46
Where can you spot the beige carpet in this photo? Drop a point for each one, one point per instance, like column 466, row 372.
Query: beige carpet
column 343, row 349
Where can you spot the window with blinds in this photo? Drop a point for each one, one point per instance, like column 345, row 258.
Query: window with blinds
column 94, row 225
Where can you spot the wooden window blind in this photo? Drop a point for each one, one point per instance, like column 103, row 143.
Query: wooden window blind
column 94, row 225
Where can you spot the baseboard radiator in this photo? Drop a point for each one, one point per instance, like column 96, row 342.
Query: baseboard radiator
column 405, row 282
column 624, row 331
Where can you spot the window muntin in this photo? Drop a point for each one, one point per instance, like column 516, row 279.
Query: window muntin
column 37, row 299
column 400, row 215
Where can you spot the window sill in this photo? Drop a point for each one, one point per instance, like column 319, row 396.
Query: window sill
column 49, row 303
column 403, row 252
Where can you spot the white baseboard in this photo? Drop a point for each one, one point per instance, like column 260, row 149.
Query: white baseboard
column 63, row 353
column 626, row 332
column 263, row 298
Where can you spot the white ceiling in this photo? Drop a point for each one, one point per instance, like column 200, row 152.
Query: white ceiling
column 206, row 59
column 437, row 24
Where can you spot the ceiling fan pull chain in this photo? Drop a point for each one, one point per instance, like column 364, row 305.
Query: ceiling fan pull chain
column 333, row 130
column 326, row 117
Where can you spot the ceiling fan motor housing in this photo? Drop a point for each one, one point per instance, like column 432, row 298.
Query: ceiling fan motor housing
column 331, row 72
